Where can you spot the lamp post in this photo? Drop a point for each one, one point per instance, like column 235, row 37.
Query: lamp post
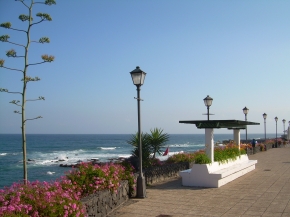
column 246, row 110
column 284, row 121
column 265, row 116
column 288, row 131
column 208, row 101
column 138, row 77
column 276, row 119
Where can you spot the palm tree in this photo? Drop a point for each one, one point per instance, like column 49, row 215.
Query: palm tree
column 146, row 148
column 157, row 140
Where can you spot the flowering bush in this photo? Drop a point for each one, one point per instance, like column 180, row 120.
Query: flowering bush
column 262, row 147
column 90, row 178
column 129, row 175
column 229, row 152
column 270, row 141
column 39, row 199
column 181, row 157
column 245, row 146
column 62, row 197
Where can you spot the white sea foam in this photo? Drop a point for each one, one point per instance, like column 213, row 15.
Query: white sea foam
column 104, row 153
column 125, row 156
column 45, row 162
column 62, row 157
column 186, row 145
column 50, row 173
column 109, row 148
column 72, row 157
column 180, row 145
column 199, row 145
column 3, row 154
column 163, row 158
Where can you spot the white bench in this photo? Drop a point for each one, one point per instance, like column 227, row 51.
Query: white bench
column 216, row 174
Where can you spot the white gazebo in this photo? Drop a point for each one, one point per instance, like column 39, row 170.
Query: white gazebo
column 215, row 174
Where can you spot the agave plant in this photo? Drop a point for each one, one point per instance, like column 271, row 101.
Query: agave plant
column 157, row 140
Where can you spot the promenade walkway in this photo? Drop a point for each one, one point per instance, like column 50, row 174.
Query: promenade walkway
column 262, row 192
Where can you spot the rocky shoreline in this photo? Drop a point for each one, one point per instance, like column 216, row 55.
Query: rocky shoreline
column 94, row 161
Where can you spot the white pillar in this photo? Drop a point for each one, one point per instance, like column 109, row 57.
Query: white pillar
column 209, row 143
column 237, row 137
column 288, row 133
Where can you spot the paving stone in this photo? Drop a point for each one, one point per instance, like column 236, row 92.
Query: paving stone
column 258, row 193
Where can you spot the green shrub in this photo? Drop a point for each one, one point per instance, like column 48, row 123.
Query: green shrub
column 243, row 151
column 221, row 155
column 201, row 158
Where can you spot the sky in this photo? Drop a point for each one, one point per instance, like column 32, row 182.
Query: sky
column 237, row 52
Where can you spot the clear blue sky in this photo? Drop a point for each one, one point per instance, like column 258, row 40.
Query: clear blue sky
column 238, row 52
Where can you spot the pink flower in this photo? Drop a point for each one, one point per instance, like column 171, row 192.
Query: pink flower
column 74, row 206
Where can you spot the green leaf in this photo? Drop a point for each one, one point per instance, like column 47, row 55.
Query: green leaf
column 28, row 78
column 157, row 140
column 6, row 25
column 4, row 38
column 11, row 53
column 44, row 16
column 202, row 159
column 50, row 2
column 146, row 151
column 44, row 40
column 14, row 101
column 47, row 58
column 24, row 17
column 3, row 90
column 1, row 63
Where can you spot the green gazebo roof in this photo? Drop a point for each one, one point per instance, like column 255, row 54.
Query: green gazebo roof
column 230, row 124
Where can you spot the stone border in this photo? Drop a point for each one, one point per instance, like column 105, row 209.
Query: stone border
column 164, row 172
column 104, row 202
column 258, row 149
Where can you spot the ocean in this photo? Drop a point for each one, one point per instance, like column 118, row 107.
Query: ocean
column 45, row 151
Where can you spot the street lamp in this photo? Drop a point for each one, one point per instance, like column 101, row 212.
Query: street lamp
column 288, row 133
column 208, row 101
column 284, row 121
column 265, row 116
column 276, row 119
column 246, row 110
column 138, row 77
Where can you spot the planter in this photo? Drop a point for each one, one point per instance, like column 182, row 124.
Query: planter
column 216, row 174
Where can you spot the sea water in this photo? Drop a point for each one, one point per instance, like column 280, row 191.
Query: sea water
column 46, row 152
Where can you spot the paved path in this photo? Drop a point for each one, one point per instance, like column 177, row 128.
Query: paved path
column 262, row 192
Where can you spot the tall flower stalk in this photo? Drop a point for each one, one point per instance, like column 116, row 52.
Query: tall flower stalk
column 25, row 78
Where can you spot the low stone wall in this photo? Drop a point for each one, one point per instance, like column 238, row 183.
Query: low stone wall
column 259, row 149
column 103, row 202
column 164, row 172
